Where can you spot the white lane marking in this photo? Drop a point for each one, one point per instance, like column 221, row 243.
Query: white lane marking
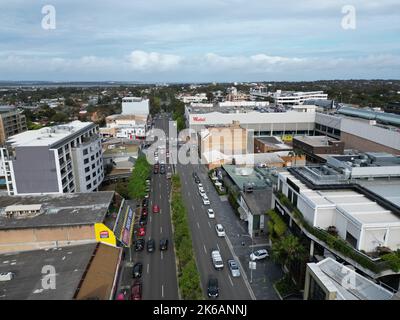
column 150, row 219
column 160, row 229
column 198, row 226
column 193, row 207
column 148, row 268
column 218, row 247
column 209, row 224
column 162, row 255
column 189, row 193
column 230, row 280
column 160, row 196
column 185, row 183
column 162, row 291
column 205, row 250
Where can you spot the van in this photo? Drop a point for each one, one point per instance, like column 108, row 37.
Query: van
column 217, row 260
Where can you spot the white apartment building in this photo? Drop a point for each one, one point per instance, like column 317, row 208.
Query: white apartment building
column 61, row 159
column 296, row 98
column 136, row 106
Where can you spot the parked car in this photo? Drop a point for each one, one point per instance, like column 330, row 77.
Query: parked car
column 156, row 208
column 137, row 270
column 7, row 276
column 220, row 230
column 139, row 244
column 259, row 254
column 234, row 268
column 211, row 213
column 163, row 244
column 206, row 201
column 136, row 291
column 143, row 220
column 212, row 288
column 150, row 245
column 142, row 232
column 217, row 260
column 145, row 203
column 155, row 170
column 123, row 295
column 144, row 211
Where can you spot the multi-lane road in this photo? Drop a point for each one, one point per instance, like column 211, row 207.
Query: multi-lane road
column 159, row 278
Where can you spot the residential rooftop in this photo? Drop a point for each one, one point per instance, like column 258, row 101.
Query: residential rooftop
column 58, row 209
column 48, row 136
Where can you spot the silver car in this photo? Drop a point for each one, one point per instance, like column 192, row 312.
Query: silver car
column 234, row 268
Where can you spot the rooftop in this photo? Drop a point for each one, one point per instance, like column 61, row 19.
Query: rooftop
column 58, row 209
column 334, row 277
column 246, row 175
column 48, row 136
column 70, row 264
column 274, row 142
column 353, row 204
column 316, row 141
column 258, row 201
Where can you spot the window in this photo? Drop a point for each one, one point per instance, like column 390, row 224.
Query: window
column 94, row 174
column 92, row 158
column 85, row 152
column 87, row 178
column 87, row 169
column 93, row 166
column 86, row 161
column 88, row 186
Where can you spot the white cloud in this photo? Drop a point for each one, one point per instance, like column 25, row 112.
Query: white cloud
column 153, row 61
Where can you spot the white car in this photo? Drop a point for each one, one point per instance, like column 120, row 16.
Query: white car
column 211, row 213
column 200, row 185
column 6, row 276
column 206, row 201
column 234, row 268
column 220, row 230
column 202, row 192
column 259, row 254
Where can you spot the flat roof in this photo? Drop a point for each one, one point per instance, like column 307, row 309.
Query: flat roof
column 70, row 264
column 350, row 202
column 58, row 209
column 387, row 189
column 316, row 141
column 333, row 275
column 258, row 201
column 245, row 175
column 48, row 136
column 274, row 142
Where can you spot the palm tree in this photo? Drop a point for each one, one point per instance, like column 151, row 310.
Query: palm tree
column 288, row 250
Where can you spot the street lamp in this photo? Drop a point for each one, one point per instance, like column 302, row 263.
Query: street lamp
column 252, row 251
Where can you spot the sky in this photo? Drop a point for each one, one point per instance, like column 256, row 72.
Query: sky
column 199, row 41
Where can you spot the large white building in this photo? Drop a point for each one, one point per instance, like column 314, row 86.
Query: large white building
column 61, row 159
column 197, row 98
column 135, row 106
column 296, row 98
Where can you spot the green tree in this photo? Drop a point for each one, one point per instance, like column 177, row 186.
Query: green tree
column 137, row 181
column 288, row 250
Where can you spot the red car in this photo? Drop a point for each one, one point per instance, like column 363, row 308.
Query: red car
column 144, row 211
column 136, row 291
column 142, row 232
column 156, row 209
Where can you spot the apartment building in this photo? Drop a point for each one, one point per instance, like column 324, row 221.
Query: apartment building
column 130, row 126
column 61, row 159
column 12, row 122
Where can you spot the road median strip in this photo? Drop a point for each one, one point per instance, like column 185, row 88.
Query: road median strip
column 188, row 275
